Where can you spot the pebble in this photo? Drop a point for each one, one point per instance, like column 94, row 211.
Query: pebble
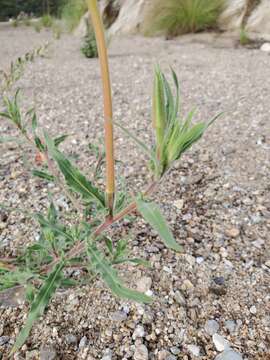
column 253, row 310
column 194, row 350
column 229, row 355
column 71, row 339
column 141, row 352
column 144, row 284
column 230, row 326
column 107, row 355
column 220, row 343
column 265, row 47
column 211, row 327
column 138, row 332
column 233, row 232
column 48, row 353
column 179, row 204
column 175, row 350
column 83, row 342
column 4, row 340
column 119, row 316
column 218, row 286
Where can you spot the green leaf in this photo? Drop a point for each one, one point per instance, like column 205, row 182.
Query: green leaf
column 153, row 216
column 58, row 229
column 74, row 178
column 43, row 175
column 135, row 261
column 60, row 139
column 39, row 304
column 110, row 277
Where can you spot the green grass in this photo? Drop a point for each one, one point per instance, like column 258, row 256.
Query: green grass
column 243, row 37
column 72, row 12
column 46, row 21
column 175, row 17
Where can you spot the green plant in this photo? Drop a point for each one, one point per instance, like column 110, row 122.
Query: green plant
column 16, row 69
column 37, row 26
column 57, row 30
column 175, row 17
column 89, row 47
column 243, row 37
column 72, row 12
column 46, row 21
column 84, row 241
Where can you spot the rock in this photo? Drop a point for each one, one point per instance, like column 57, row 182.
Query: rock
column 141, row 352
column 130, row 18
column 229, row 355
column 179, row 298
column 107, row 355
column 48, row 353
column 163, row 355
column 230, row 326
column 211, row 327
column 144, row 284
column 259, row 20
column 119, row 316
column 71, row 339
column 13, row 297
column 138, row 332
column 233, row 14
column 179, row 204
column 218, row 286
column 4, row 340
column 253, row 310
column 233, row 232
column 220, row 343
column 175, row 350
column 265, row 47
column 194, row 350
column 83, row 342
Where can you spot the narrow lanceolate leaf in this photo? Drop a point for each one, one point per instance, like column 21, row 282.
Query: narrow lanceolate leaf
column 110, row 277
column 43, row 175
column 39, row 304
column 74, row 178
column 159, row 109
column 153, row 216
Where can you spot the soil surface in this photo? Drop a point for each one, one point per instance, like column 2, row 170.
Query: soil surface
column 216, row 200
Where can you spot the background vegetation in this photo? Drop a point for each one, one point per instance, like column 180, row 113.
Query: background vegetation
column 175, row 17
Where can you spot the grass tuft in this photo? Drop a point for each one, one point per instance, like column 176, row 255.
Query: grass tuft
column 176, row 17
column 72, row 12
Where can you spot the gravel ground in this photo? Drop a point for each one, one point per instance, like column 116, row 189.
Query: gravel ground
column 214, row 295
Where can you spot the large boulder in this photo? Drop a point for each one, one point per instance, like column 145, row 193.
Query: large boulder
column 233, row 15
column 259, row 20
column 130, row 17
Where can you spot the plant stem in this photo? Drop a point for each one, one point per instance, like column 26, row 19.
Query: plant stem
column 107, row 98
column 80, row 247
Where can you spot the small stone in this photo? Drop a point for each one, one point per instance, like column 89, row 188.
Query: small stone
column 229, row 355
column 265, row 47
column 144, row 284
column 48, row 353
column 175, row 350
column 179, row 204
column 71, row 339
column 233, row 232
column 163, row 355
column 119, row 316
column 141, row 352
column 218, row 286
column 187, row 285
column 199, row 260
column 138, row 332
column 107, row 355
column 179, row 298
column 211, row 327
column 267, row 263
column 220, row 343
column 230, row 326
column 83, row 342
column 253, row 310
column 4, row 340
column 2, row 225
column 194, row 350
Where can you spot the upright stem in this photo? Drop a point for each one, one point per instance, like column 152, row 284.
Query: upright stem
column 107, row 97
